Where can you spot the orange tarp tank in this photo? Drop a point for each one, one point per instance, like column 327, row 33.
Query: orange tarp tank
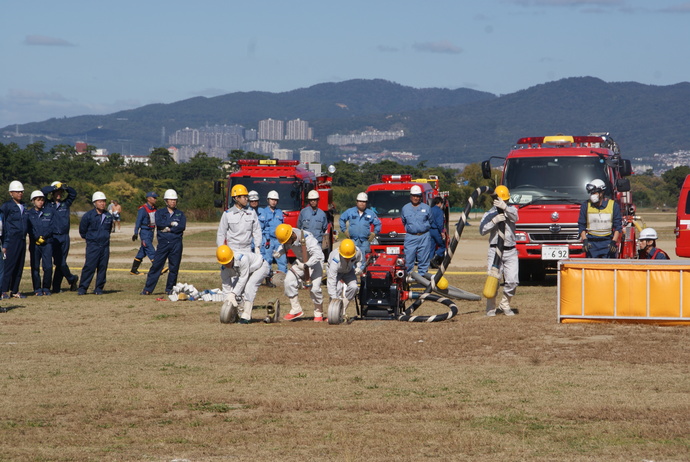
column 598, row 290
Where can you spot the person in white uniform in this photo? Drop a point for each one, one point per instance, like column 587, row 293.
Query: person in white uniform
column 241, row 275
column 344, row 265
column 239, row 226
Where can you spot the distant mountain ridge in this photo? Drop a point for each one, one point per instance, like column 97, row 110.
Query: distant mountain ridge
column 442, row 125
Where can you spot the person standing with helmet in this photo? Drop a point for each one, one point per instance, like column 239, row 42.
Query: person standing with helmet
column 416, row 216
column 254, row 201
column 95, row 227
column 40, row 230
column 144, row 228
column 270, row 218
column 14, row 240
column 600, row 223
column 361, row 219
column 241, row 276
column 344, row 265
column 170, row 223
column 306, row 270
column 647, row 246
column 312, row 218
column 60, row 197
column 239, row 226
column 509, row 265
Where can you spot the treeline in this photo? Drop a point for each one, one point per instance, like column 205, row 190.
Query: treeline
column 36, row 167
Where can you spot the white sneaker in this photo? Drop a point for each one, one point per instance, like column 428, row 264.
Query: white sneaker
column 509, row 312
column 491, row 313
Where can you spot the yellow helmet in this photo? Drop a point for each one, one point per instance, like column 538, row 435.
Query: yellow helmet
column 239, row 190
column 283, row 232
column 502, row 192
column 347, row 248
column 224, row 254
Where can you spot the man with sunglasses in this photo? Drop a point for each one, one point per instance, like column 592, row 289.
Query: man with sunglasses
column 600, row 223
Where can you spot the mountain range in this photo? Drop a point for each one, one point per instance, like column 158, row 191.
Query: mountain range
column 441, row 125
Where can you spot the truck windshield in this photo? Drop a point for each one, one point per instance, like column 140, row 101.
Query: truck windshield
column 388, row 204
column 287, row 190
column 552, row 179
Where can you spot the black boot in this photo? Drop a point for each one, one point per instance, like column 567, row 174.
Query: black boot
column 135, row 267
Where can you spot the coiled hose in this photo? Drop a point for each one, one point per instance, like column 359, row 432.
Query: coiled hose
column 450, row 251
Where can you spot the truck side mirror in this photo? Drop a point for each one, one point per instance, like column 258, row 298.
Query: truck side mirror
column 623, row 185
column 486, row 169
column 217, row 185
column 626, row 167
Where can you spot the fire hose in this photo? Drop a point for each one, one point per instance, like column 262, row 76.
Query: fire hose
column 448, row 256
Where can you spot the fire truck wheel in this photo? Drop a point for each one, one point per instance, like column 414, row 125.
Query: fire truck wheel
column 335, row 311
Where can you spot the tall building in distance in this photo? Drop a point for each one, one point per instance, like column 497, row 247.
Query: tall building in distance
column 298, row 129
column 270, row 129
column 307, row 156
column 282, row 154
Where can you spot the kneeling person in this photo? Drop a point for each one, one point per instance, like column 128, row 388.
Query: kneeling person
column 306, row 247
column 241, row 275
column 344, row 265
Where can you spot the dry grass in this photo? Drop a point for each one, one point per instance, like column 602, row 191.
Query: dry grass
column 125, row 377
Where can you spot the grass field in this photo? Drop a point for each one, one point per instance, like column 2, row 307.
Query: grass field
column 126, row 377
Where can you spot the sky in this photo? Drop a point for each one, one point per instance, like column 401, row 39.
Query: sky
column 75, row 57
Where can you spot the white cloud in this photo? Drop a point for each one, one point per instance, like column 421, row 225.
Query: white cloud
column 442, row 46
column 42, row 40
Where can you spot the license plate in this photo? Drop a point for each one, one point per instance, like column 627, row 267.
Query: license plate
column 554, row 252
column 393, row 250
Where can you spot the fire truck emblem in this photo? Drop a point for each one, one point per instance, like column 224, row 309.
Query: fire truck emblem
column 393, row 234
column 555, row 216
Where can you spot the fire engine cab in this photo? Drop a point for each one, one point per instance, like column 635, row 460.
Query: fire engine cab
column 290, row 180
column 546, row 177
column 387, row 200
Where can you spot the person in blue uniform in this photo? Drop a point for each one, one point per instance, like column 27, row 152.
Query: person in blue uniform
column 14, row 240
column 171, row 223
column 361, row 219
column 144, row 227
column 438, row 232
column 61, row 196
column 647, row 246
column 600, row 223
column 269, row 218
column 416, row 216
column 311, row 218
column 40, row 229
column 95, row 227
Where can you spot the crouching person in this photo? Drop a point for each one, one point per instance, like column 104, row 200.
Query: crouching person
column 307, row 273
column 344, row 265
column 241, row 275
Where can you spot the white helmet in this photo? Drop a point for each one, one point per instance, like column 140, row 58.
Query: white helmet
column 648, row 233
column 253, row 196
column 363, row 197
column 313, row 194
column 16, row 186
column 170, row 194
column 596, row 185
column 415, row 191
column 98, row 196
column 36, row 194
column 273, row 195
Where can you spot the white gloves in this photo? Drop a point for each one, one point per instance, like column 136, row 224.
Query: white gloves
column 299, row 265
column 173, row 223
column 500, row 204
column 498, row 218
column 277, row 254
column 165, row 230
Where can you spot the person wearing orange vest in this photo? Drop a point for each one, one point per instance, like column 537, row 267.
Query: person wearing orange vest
column 600, row 223
column 144, row 228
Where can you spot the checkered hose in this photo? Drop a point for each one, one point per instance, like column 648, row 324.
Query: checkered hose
column 450, row 251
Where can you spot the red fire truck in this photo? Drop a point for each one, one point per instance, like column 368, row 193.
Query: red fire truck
column 292, row 183
column 387, row 200
column 546, row 177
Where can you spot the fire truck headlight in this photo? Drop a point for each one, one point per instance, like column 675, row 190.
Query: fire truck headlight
column 520, row 237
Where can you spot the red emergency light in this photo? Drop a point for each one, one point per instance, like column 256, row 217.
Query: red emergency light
column 396, row 178
column 560, row 139
column 267, row 162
